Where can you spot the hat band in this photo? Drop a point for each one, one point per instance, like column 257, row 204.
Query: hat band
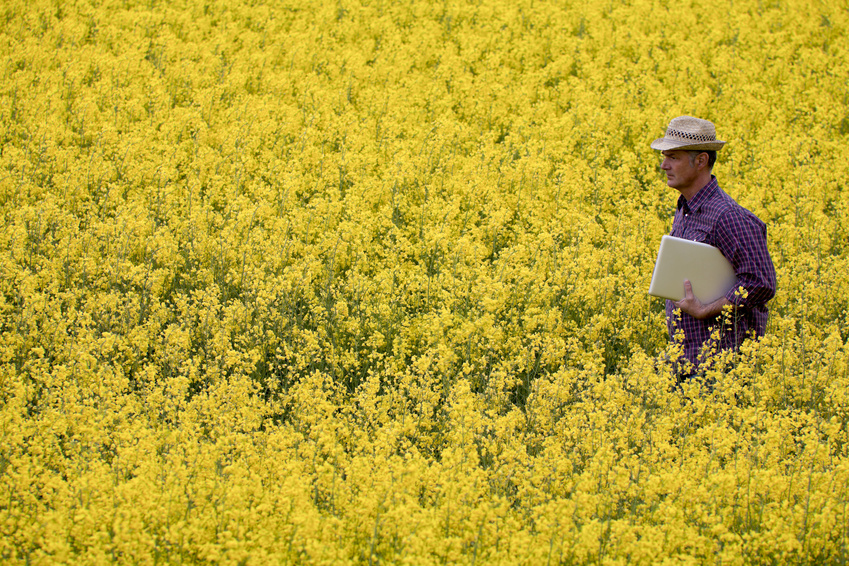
column 689, row 136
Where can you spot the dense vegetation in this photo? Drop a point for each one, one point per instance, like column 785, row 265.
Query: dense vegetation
column 366, row 281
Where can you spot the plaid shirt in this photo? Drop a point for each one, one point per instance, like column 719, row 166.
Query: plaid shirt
column 715, row 218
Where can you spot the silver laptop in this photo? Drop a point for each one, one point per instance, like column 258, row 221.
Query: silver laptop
column 704, row 265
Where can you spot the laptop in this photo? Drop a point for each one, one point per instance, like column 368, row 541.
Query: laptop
column 710, row 274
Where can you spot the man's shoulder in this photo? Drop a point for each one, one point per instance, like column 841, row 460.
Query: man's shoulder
column 733, row 216
column 725, row 206
column 716, row 203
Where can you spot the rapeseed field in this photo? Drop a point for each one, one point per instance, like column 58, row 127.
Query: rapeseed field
column 364, row 281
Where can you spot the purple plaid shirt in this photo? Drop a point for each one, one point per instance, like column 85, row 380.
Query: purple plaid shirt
column 715, row 218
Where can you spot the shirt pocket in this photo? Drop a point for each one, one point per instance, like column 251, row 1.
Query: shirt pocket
column 699, row 234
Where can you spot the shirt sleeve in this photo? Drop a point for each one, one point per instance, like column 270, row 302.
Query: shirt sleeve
column 741, row 237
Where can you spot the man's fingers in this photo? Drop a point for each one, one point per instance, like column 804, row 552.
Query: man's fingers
column 688, row 294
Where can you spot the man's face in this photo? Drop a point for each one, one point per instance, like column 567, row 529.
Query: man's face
column 681, row 171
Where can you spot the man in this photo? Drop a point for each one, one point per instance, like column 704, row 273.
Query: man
column 707, row 214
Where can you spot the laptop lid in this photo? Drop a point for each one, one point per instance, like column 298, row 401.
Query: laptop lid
column 710, row 274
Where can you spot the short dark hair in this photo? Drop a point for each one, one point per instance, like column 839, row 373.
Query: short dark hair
column 711, row 153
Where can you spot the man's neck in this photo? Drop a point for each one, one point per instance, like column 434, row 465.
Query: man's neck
column 693, row 189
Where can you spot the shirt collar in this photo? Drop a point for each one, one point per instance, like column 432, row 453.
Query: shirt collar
column 704, row 194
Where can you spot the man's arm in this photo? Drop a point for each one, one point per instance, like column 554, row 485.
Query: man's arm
column 741, row 237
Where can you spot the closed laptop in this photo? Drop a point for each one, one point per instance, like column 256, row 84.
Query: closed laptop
column 709, row 272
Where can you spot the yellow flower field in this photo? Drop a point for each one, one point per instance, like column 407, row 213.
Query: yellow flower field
column 318, row 282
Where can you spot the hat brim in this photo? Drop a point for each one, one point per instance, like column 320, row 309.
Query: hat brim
column 666, row 144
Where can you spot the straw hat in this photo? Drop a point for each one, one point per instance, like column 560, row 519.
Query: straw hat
column 686, row 132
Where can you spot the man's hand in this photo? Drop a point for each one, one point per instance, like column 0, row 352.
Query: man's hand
column 691, row 305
